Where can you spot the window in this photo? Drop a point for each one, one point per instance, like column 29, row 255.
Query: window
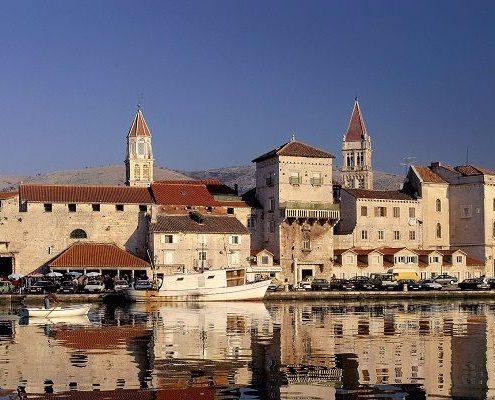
column 412, row 212
column 439, row 231
column 137, row 172
column 202, row 255
column 119, row 207
column 143, row 208
column 316, row 179
column 459, row 259
column 396, row 235
column 230, row 210
column 271, row 204
column 364, row 234
column 411, row 259
column 434, row 259
column 381, row 235
column 48, row 207
column 71, row 207
column 269, row 180
column 438, row 205
column 364, row 211
column 234, row 239
column 264, row 260
column 271, row 227
column 167, row 239
column 140, row 148
column 146, row 172
column 251, row 221
column 396, row 212
column 412, row 235
column 306, row 241
column 95, row 207
column 78, row 234
column 380, row 211
column 209, row 210
column 294, row 178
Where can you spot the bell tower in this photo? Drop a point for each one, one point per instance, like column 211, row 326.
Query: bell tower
column 139, row 159
column 356, row 153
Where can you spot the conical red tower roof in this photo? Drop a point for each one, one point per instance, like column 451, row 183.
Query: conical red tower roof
column 356, row 130
column 139, row 126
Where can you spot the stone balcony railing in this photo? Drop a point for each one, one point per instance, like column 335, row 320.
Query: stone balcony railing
column 307, row 210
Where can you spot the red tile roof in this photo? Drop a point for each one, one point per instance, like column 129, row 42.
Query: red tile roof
column 470, row 170
column 427, row 175
column 84, row 194
column 379, row 194
column 96, row 255
column 295, row 149
column 190, row 224
column 472, row 262
column 356, row 131
column 139, row 126
column 7, row 195
column 178, row 194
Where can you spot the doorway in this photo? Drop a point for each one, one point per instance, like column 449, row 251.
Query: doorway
column 6, row 266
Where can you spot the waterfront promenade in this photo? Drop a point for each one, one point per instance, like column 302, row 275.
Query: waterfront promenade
column 34, row 299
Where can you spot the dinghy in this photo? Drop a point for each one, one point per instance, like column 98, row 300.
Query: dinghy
column 55, row 312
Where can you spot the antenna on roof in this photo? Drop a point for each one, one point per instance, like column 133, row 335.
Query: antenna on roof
column 407, row 161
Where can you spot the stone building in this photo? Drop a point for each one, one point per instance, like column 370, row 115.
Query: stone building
column 357, row 172
column 295, row 211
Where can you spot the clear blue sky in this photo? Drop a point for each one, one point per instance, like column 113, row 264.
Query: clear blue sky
column 225, row 81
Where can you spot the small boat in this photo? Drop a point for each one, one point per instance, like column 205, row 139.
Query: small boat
column 227, row 284
column 55, row 312
column 77, row 320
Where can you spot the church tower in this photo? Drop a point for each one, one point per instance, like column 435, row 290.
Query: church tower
column 356, row 153
column 139, row 160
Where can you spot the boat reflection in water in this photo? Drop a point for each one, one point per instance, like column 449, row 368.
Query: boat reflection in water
column 253, row 350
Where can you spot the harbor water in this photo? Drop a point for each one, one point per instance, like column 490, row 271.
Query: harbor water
column 273, row 350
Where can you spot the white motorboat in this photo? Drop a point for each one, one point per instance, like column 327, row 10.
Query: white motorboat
column 210, row 285
column 55, row 312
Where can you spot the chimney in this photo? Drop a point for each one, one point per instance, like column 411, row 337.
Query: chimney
column 435, row 165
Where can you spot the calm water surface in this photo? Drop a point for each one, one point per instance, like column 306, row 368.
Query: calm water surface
column 253, row 351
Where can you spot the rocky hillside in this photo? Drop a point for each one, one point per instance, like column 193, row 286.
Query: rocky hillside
column 243, row 176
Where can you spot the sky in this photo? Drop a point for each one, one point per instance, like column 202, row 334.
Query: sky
column 222, row 82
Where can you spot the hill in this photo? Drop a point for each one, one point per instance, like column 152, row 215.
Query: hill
column 243, row 176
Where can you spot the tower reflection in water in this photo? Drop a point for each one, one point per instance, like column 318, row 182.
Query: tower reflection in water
column 253, row 350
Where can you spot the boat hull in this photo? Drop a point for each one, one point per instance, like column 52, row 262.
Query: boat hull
column 249, row 291
column 55, row 312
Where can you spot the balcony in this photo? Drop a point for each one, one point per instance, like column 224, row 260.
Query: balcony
column 308, row 211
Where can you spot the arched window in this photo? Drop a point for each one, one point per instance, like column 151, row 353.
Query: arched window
column 137, row 173
column 78, row 234
column 146, row 172
column 439, row 205
column 439, row 230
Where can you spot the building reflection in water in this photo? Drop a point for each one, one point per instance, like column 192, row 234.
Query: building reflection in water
column 238, row 350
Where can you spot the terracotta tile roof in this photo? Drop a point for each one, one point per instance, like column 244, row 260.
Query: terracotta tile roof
column 379, row 194
column 178, row 194
column 471, row 170
column 472, row 262
column 295, row 149
column 356, row 131
column 389, row 251
column 339, row 252
column 96, row 255
column 365, row 252
column 450, row 252
column 84, row 194
column 189, row 223
column 255, row 252
column 425, row 252
column 427, row 175
column 139, row 126
column 7, row 195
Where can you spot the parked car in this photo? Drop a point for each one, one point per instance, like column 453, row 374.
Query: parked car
column 142, row 284
column 364, row 283
column 94, row 287
column 120, row 285
column 6, row 287
column 43, row 287
column 306, row 284
column 409, row 283
column 491, row 282
column 320, row 284
column 445, row 279
column 68, row 287
column 386, row 281
column 341, row 284
column 474, row 284
column 430, row 284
